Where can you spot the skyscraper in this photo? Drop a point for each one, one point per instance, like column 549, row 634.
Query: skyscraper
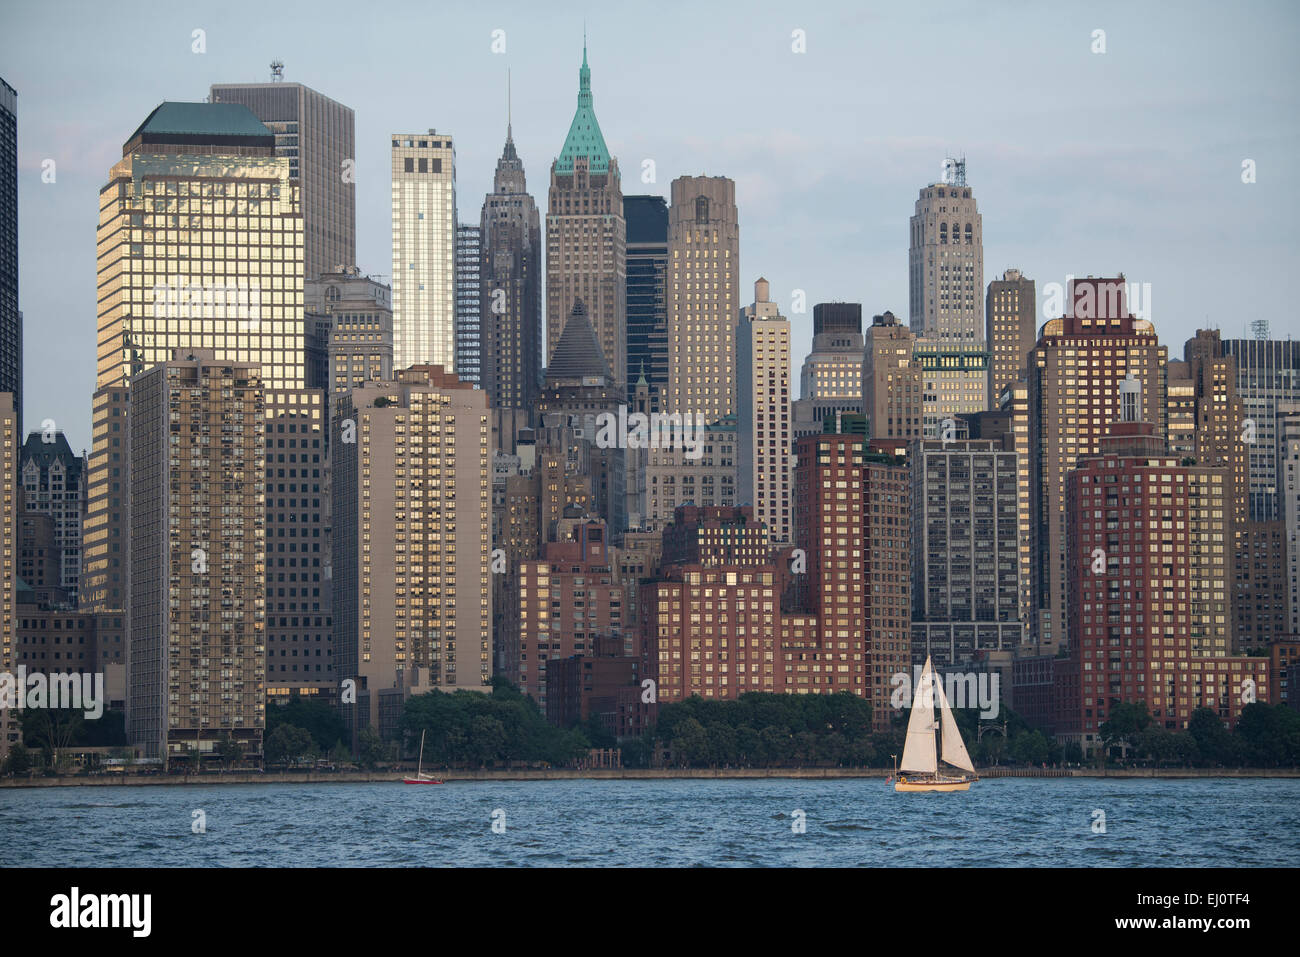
column 1268, row 372
column 191, row 175
column 1289, row 493
column 1148, row 598
column 703, row 296
column 180, row 287
column 11, row 320
column 955, row 376
column 570, row 604
column 318, row 137
column 10, row 517
column 424, row 250
column 197, row 556
column 1075, row 372
column 763, row 394
column 946, row 274
column 1204, row 423
column 586, row 236
column 469, row 323
column 54, row 484
column 831, row 378
column 965, row 538
column 360, row 328
column 834, row 652
column 299, row 637
column 647, row 297
column 578, row 389
column 1008, row 427
column 510, row 292
column 411, row 513
column 1010, row 315
column 891, row 381
column 886, row 572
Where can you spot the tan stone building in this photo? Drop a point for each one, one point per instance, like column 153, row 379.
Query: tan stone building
column 946, row 260
column 586, row 236
column 891, row 381
column 412, row 519
column 196, row 607
column 703, row 296
column 766, row 458
column 424, row 249
column 1011, row 330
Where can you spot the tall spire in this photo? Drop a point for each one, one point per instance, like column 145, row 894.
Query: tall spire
column 508, row 165
column 584, row 75
column 584, row 137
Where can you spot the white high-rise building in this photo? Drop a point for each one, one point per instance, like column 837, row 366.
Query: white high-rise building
column 763, row 370
column 946, row 267
column 424, row 250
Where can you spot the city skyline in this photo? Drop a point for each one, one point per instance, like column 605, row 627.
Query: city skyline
column 1122, row 182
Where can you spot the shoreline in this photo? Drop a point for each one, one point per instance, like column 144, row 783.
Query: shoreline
column 617, row 774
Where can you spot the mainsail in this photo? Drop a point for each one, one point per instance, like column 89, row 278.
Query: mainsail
column 954, row 749
column 918, row 750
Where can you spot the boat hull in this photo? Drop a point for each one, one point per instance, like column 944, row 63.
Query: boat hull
column 959, row 784
column 414, row 781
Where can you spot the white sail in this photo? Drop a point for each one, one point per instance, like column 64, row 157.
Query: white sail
column 954, row 749
column 918, row 750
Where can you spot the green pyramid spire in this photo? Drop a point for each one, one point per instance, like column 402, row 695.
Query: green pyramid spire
column 584, row 137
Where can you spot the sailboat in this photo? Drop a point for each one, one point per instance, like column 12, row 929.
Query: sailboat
column 420, row 776
column 920, row 768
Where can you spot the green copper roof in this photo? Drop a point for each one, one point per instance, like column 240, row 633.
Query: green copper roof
column 584, row 137
column 222, row 119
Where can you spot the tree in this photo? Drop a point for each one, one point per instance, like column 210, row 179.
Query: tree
column 229, row 751
column 287, row 744
column 691, row 744
column 371, row 748
column 1029, row 747
column 322, row 722
column 1269, row 734
column 487, row 739
column 19, row 760
column 1072, row 753
column 1213, row 742
column 340, row 754
column 52, row 728
column 1125, row 722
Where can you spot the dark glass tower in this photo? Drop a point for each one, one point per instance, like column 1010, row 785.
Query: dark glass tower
column 647, row 315
column 468, row 317
column 318, row 136
column 11, row 321
column 511, row 282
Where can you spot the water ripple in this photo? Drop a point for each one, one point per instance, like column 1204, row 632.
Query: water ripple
column 659, row 823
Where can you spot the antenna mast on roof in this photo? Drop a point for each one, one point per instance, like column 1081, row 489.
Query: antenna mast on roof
column 277, row 71
column 955, row 171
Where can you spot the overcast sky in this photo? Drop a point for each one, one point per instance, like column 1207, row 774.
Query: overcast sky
column 1086, row 163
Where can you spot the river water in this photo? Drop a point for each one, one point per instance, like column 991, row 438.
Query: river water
column 1047, row 822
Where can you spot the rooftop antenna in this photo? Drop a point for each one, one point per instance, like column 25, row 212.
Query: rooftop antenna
column 957, row 170
column 277, row 71
column 508, row 111
column 1259, row 328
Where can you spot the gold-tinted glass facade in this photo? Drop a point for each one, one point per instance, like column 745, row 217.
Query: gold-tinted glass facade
column 200, row 251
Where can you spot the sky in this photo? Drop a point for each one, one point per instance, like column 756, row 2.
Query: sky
column 1083, row 163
